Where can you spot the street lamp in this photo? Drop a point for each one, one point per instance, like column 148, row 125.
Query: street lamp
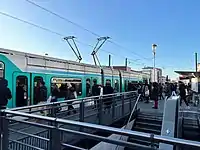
column 154, row 46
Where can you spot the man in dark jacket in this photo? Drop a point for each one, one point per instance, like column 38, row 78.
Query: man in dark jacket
column 155, row 93
column 95, row 92
column 5, row 93
column 42, row 96
column 108, row 90
column 182, row 89
column 43, row 92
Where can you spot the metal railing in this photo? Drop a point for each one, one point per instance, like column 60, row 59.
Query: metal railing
column 108, row 109
column 55, row 133
column 116, row 105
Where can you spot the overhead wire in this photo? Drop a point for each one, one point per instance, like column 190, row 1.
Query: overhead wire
column 76, row 24
column 54, row 32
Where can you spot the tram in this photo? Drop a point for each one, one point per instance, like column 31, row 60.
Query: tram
column 28, row 69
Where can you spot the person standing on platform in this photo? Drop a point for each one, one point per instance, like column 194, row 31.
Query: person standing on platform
column 20, row 100
column 146, row 92
column 155, row 93
column 42, row 96
column 168, row 91
column 140, row 91
column 182, row 89
column 55, row 92
column 173, row 88
column 95, row 92
column 160, row 87
column 108, row 90
column 5, row 93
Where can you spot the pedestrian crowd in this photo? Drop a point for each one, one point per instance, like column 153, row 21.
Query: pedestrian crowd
column 157, row 91
column 149, row 91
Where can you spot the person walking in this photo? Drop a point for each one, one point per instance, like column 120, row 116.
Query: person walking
column 182, row 89
column 160, row 87
column 71, row 94
column 155, row 94
column 173, row 89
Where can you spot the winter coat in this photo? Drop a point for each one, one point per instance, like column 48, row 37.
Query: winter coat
column 5, row 92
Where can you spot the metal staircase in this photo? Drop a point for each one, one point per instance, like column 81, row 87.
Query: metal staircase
column 148, row 123
column 190, row 130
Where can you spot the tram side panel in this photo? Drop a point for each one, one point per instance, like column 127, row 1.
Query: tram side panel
column 8, row 70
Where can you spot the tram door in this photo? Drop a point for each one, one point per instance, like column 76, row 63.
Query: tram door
column 35, row 80
column 21, row 89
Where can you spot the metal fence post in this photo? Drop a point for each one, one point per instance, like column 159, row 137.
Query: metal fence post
column 3, row 131
column 113, row 109
column 122, row 99
column 55, row 139
column 81, row 115
column 100, row 108
column 130, row 101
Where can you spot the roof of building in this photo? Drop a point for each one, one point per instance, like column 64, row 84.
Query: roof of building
column 188, row 74
column 151, row 68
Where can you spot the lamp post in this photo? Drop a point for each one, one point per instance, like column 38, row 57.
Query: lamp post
column 154, row 46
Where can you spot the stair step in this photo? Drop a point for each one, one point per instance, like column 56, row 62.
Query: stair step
column 150, row 114
column 152, row 125
column 141, row 141
column 147, row 130
column 191, row 128
column 139, row 147
column 149, row 120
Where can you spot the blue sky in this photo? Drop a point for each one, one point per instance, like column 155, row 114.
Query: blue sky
column 134, row 24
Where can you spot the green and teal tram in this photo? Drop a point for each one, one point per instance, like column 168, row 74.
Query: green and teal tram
column 28, row 69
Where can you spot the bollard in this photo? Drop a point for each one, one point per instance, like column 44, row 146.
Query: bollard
column 113, row 109
column 130, row 101
column 3, row 131
column 100, row 110
column 55, row 138
column 122, row 105
column 81, row 114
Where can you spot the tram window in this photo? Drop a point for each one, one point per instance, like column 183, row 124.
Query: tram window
column 2, row 69
column 88, row 87
column 21, row 91
column 37, row 80
column 62, row 85
column 116, row 86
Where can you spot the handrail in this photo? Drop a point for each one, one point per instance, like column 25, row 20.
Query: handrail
column 164, row 139
column 187, row 111
column 67, row 101
column 134, row 108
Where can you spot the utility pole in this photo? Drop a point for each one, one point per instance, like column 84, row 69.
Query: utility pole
column 154, row 46
column 126, row 63
column 109, row 59
column 196, row 62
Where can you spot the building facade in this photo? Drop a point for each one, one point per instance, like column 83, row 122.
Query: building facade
column 158, row 74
